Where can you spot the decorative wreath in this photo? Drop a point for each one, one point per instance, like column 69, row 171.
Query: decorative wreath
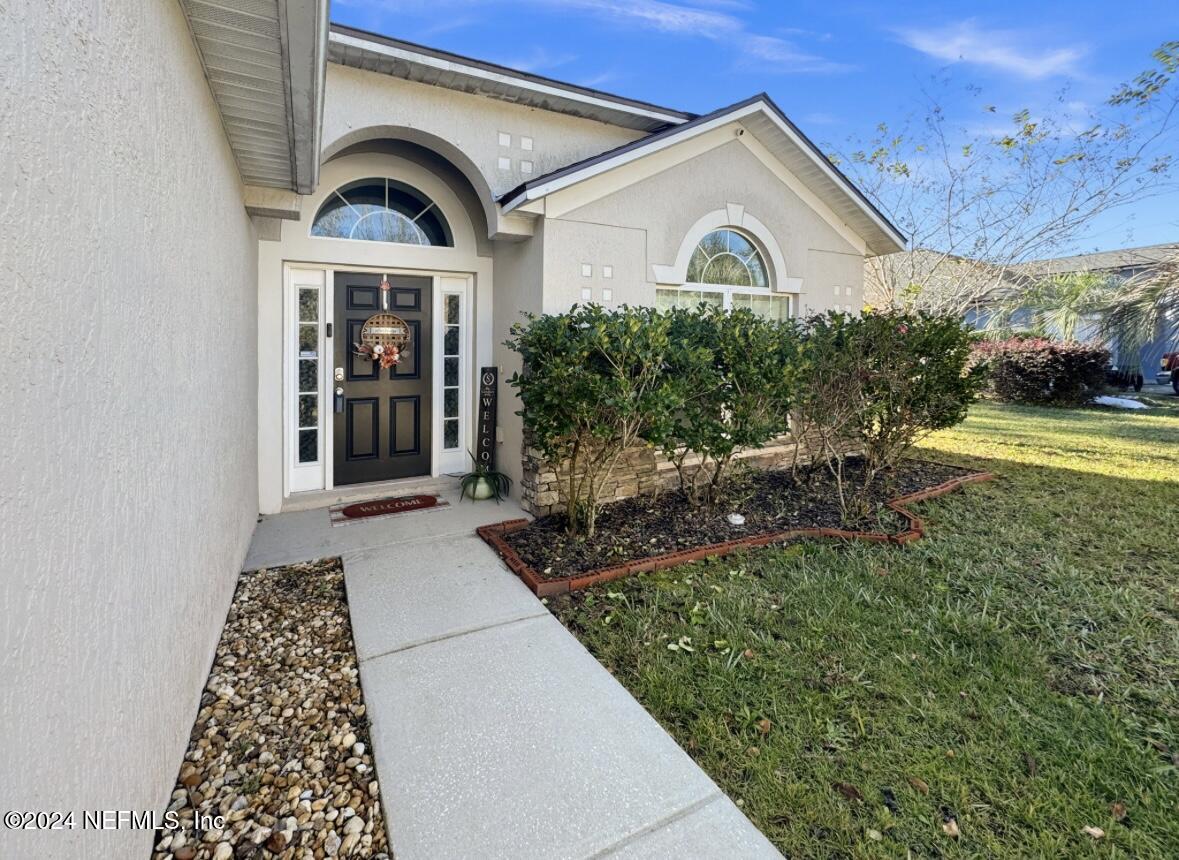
column 382, row 337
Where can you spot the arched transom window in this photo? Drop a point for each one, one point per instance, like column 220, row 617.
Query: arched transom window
column 727, row 270
column 727, row 258
column 382, row 210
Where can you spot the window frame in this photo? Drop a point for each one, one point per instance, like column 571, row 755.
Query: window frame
column 767, row 272
column 727, row 291
column 431, row 206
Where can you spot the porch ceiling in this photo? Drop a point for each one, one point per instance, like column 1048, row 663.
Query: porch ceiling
column 264, row 60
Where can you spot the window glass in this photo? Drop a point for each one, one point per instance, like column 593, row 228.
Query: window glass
column 451, row 370
column 381, row 210
column 768, row 305
column 726, row 257
column 307, row 374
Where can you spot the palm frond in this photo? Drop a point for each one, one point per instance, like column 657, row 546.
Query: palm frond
column 1145, row 307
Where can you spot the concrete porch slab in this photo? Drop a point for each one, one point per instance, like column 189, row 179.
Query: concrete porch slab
column 296, row 536
column 429, row 590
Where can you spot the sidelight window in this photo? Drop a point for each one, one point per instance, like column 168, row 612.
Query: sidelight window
column 307, row 378
column 452, row 368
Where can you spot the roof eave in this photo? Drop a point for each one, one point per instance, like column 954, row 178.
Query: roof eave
column 278, row 54
column 305, row 37
column 887, row 239
column 348, row 45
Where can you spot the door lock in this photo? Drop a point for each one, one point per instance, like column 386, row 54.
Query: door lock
column 339, row 374
column 339, row 404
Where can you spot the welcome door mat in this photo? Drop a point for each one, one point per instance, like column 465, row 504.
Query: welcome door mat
column 342, row 515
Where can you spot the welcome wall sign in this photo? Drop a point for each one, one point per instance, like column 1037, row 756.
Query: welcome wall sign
column 485, row 430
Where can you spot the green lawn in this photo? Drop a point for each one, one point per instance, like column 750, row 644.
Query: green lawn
column 1016, row 670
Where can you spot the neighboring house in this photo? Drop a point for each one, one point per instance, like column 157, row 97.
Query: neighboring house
column 203, row 203
column 984, row 287
column 1119, row 265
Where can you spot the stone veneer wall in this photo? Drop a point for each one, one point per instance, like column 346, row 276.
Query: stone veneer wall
column 641, row 470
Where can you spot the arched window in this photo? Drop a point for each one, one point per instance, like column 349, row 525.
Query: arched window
column 727, row 258
column 727, row 270
column 382, row 210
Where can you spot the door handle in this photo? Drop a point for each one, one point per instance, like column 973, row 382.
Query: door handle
column 339, row 399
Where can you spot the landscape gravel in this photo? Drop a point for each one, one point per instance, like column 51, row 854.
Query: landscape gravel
column 279, row 762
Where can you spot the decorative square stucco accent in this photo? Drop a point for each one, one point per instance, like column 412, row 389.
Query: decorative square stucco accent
column 587, row 270
column 504, row 163
column 525, row 166
column 526, row 143
column 607, row 271
column 505, row 139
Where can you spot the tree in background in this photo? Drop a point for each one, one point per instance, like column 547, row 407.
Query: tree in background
column 1059, row 307
column 978, row 206
column 1143, row 308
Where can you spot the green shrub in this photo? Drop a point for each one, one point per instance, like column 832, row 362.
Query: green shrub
column 918, row 378
column 732, row 375
column 830, row 381
column 1037, row 370
column 704, row 384
column 875, row 385
column 593, row 384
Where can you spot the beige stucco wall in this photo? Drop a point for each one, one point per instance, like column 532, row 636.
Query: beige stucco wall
column 127, row 489
column 519, row 284
column 359, row 103
column 570, row 244
column 662, row 208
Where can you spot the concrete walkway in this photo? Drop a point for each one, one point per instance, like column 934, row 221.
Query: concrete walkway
column 495, row 733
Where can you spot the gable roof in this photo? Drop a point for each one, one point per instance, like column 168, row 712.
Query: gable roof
column 765, row 120
column 349, row 46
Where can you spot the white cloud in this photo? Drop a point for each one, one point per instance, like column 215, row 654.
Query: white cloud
column 706, row 23
column 538, row 60
column 1005, row 50
column 718, row 21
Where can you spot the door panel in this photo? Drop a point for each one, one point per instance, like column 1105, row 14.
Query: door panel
column 383, row 430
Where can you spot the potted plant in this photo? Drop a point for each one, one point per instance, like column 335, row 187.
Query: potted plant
column 484, row 483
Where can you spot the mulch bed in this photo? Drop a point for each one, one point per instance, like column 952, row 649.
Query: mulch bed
column 648, row 532
column 280, row 746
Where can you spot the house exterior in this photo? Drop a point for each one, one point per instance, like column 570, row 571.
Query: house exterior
column 208, row 203
column 539, row 195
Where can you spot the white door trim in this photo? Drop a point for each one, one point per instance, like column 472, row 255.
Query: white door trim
column 320, row 476
column 456, row 459
column 298, row 477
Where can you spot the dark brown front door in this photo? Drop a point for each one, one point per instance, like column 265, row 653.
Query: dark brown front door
column 382, row 420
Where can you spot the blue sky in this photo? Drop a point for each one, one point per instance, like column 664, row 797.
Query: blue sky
column 837, row 69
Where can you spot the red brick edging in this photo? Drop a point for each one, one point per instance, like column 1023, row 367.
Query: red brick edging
column 543, row 587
